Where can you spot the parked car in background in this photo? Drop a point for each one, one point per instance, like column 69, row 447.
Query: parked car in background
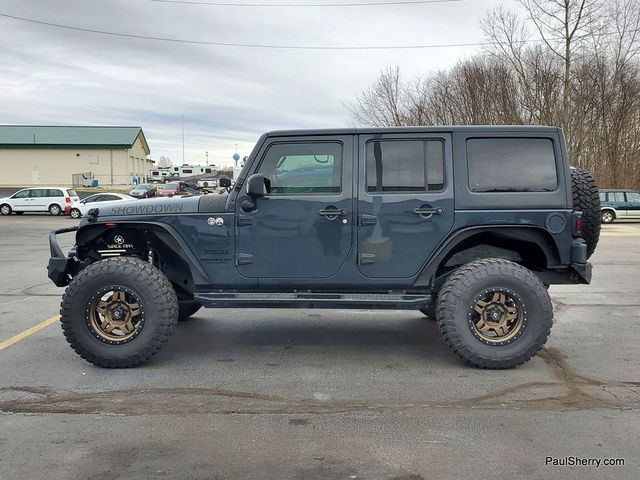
column 178, row 189
column 51, row 199
column 616, row 204
column 208, row 183
column 144, row 190
column 80, row 208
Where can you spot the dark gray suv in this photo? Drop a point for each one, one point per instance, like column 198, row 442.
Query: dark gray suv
column 468, row 225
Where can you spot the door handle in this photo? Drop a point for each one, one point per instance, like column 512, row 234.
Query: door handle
column 332, row 213
column 428, row 212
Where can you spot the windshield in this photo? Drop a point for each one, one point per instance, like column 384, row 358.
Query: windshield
column 170, row 186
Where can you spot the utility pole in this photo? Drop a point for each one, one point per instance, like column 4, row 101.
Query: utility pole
column 182, row 117
column 206, row 155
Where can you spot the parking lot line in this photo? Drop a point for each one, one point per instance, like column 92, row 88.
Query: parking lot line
column 29, row 331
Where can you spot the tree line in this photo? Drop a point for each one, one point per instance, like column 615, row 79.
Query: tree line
column 570, row 63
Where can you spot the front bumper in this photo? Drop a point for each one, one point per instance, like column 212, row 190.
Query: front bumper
column 60, row 265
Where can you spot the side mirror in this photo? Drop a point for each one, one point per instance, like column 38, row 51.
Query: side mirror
column 224, row 182
column 258, row 186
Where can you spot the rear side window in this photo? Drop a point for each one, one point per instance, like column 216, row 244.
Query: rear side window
column 72, row 193
column 511, row 165
column 54, row 192
column 633, row 197
column 603, row 196
column 39, row 193
column 108, row 197
column 618, row 197
column 405, row 166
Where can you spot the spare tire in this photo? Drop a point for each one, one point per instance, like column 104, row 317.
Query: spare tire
column 586, row 199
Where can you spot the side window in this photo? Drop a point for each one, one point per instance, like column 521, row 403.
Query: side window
column 38, row 193
column 300, row 168
column 22, row 194
column 93, row 198
column 633, row 197
column 618, row 197
column 511, row 165
column 405, row 166
column 603, row 196
column 107, row 197
column 55, row 193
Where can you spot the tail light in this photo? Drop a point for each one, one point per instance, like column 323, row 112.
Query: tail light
column 577, row 224
column 67, row 200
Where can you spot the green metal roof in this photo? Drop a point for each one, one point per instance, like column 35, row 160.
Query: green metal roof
column 60, row 136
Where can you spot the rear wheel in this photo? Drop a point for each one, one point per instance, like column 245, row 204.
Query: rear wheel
column 494, row 313
column 5, row 209
column 118, row 312
column 55, row 209
column 187, row 308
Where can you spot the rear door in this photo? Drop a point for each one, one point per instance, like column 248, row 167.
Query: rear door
column 39, row 200
column 633, row 204
column 405, row 201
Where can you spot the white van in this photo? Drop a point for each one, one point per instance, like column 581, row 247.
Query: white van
column 51, row 199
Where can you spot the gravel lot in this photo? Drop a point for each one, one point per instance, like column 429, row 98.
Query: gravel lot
column 319, row 394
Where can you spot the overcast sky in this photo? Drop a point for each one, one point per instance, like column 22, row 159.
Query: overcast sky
column 227, row 95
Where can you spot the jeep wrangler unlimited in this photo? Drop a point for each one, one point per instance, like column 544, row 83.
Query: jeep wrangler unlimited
column 469, row 225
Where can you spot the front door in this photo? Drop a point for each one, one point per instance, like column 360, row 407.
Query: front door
column 20, row 201
column 405, row 201
column 303, row 227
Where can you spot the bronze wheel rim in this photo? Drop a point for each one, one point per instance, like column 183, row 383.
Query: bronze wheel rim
column 115, row 315
column 497, row 316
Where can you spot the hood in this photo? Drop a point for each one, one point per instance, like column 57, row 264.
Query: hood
column 166, row 206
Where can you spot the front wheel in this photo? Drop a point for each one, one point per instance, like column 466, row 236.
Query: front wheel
column 494, row 313
column 608, row 216
column 119, row 312
column 75, row 213
column 5, row 209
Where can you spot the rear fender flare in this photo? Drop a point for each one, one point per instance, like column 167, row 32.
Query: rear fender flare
column 521, row 233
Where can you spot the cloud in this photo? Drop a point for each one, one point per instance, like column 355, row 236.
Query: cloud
column 227, row 95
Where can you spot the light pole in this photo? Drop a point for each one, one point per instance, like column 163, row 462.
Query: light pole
column 182, row 117
column 206, row 156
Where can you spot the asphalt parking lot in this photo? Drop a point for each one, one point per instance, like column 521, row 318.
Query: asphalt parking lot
column 318, row 394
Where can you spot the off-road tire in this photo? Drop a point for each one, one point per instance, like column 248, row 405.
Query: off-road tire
column 156, row 294
column 55, row 209
column 75, row 213
column 456, row 300
column 5, row 209
column 586, row 199
column 187, row 308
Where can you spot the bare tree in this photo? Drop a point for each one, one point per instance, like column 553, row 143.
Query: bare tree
column 564, row 25
column 579, row 75
column 382, row 103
